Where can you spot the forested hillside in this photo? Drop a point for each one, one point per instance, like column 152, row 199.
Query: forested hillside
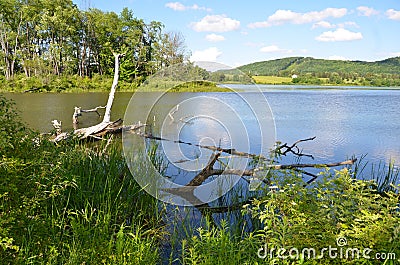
column 44, row 38
column 321, row 67
column 310, row 70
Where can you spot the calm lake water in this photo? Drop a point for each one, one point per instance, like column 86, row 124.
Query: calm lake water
column 345, row 122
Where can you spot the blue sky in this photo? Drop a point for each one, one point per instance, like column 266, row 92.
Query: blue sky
column 240, row 32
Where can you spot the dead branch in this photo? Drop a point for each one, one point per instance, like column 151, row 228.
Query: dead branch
column 284, row 149
column 32, row 89
column 58, row 126
column 78, row 112
column 206, row 172
column 187, row 191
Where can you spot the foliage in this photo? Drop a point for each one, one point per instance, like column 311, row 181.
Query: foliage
column 308, row 70
column 64, row 84
column 215, row 245
column 42, row 38
column 198, row 86
column 293, row 216
column 68, row 204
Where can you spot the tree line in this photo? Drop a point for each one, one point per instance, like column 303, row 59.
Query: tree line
column 319, row 71
column 43, row 37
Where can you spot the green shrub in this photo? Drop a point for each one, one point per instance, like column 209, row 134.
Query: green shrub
column 338, row 207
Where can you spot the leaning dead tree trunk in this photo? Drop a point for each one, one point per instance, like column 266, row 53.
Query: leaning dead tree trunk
column 107, row 114
column 106, row 126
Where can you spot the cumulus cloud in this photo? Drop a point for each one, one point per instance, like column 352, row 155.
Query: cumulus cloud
column 323, row 24
column 211, row 54
column 349, row 23
column 274, row 49
column 339, row 35
column 393, row 14
column 177, row 6
column 215, row 38
column 216, row 23
column 366, row 11
column 287, row 16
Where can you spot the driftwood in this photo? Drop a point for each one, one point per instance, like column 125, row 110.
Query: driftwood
column 78, row 112
column 187, row 191
column 32, row 89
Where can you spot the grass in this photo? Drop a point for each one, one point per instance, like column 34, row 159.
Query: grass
column 180, row 86
column 81, row 206
column 63, row 84
column 71, row 203
column 273, row 80
column 199, row 86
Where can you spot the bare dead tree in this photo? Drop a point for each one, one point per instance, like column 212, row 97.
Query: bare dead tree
column 106, row 126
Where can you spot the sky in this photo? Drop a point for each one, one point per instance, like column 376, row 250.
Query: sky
column 237, row 32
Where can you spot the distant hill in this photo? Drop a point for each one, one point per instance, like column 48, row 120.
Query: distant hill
column 321, row 67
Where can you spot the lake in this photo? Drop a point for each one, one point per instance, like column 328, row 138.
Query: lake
column 346, row 122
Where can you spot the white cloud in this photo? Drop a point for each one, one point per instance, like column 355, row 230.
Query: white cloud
column 327, row 25
column 339, row 35
column 348, row 23
column 287, row 16
column 338, row 57
column 196, row 7
column 215, row 38
column 216, row 23
column 274, row 49
column 393, row 14
column 367, row 11
column 211, row 54
column 323, row 24
column 177, row 6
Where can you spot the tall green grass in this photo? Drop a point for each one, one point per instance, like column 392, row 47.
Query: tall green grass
column 71, row 203
column 80, row 206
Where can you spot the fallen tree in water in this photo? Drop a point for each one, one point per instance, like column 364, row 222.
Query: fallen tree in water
column 188, row 191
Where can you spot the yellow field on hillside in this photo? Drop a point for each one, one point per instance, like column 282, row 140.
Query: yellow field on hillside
column 262, row 79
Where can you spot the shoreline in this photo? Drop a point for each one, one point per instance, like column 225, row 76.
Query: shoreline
column 219, row 88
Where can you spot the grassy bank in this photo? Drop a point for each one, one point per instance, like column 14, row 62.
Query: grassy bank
column 76, row 84
column 312, row 80
column 78, row 203
column 272, row 80
column 70, row 204
column 62, row 84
